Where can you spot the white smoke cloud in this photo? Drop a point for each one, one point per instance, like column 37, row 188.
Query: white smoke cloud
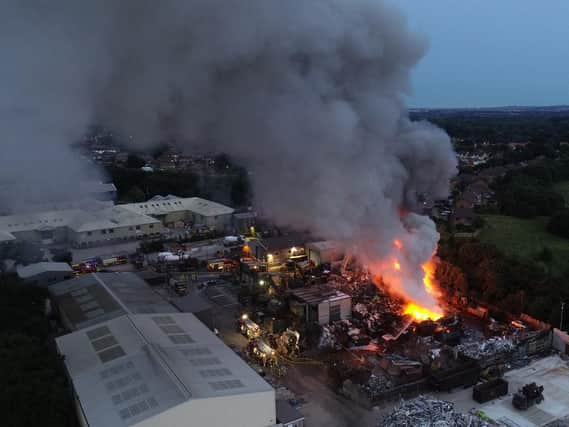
column 306, row 93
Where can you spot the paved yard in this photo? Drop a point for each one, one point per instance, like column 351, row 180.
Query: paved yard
column 551, row 372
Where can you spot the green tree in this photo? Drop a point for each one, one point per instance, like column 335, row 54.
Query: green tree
column 240, row 189
column 559, row 224
column 134, row 162
column 134, row 195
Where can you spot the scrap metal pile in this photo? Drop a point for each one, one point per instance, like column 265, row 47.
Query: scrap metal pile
column 488, row 351
column 426, row 411
column 376, row 385
column 342, row 333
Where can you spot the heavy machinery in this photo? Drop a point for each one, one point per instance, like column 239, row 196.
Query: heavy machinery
column 287, row 342
column 490, row 390
column 263, row 352
column 527, row 396
column 249, row 328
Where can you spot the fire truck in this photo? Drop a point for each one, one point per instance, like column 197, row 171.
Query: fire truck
column 83, row 268
column 263, row 352
column 249, row 328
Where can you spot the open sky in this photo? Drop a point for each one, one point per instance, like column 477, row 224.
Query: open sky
column 487, row 53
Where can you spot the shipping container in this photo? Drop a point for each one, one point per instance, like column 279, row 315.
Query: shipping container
column 490, row 390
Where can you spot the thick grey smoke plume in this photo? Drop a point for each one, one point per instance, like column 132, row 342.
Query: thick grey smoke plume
column 46, row 81
column 305, row 93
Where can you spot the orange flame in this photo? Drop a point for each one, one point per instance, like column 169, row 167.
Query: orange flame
column 421, row 313
column 429, row 277
column 391, row 273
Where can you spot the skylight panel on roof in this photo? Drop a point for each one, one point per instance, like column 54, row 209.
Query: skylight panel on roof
column 171, row 329
column 104, row 342
column 93, row 334
column 137, row 408
column 208, row 373
column 89, row 305
column 123, row 381
column 111, row 354
column 181, row 339
column 79, row 292
column 163, row 320
column 83, row 298
column 225, row 385
column 129, row 394
column 205, row 361
column 94, row 313
column 198, row 351
column 117, row 369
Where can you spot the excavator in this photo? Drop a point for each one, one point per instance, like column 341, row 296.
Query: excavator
column 287, row 343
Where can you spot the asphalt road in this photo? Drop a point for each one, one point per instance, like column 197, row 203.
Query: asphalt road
column 323, row 407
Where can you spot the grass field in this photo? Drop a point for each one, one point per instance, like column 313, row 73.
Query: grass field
column 563, row 189
column 525, row 238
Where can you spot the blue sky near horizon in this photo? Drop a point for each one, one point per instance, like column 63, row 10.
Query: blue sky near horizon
column 490, row 53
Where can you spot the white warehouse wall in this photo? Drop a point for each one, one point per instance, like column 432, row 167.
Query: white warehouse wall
column 239, row 410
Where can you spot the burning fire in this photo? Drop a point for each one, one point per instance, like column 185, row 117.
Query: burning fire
column 412, row 308
column 421, row 313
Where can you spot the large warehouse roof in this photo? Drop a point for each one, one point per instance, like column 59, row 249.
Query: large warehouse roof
column 112, row 218
column 77, row 219
column 97, row 297
column 168, row 205
column 133, row 367
column 42, row 267
column 6, row 237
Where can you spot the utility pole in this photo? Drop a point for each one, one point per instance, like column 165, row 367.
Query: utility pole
column 562, row 311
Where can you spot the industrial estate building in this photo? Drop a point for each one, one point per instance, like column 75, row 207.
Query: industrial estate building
column 78, row 227
column 321, row 304
column 98, row 297
column 162, row 370
column 325, row 251
column 99, row 223
column 174, row 211
column 44, row 273
column 134, row 360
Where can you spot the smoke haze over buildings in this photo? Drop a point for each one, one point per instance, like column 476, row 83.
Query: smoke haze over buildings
column 306, row 93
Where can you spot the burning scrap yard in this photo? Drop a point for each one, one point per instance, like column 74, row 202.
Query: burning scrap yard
column 403, row 348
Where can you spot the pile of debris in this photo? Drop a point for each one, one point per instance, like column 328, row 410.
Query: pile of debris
column 492, row 350
column 327, row 340
column 426, row 411
column 340, row 334
column 376, row 385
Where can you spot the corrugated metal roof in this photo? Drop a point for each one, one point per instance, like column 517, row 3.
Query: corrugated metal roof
column 76, row 219
column 129, row 369
column 42, row 267
column 323, row 245
column 318, row 294
column 169, row 205
column 97, row 297
column 6, row 237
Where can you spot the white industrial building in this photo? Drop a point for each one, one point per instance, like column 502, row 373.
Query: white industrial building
column 321, row 304
column 175, row 211
column 44, row 273
column 150, row 370
column 97, row 297
column 134, row 360
column 322, row 252
column 78, row 227
column 98, row 223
